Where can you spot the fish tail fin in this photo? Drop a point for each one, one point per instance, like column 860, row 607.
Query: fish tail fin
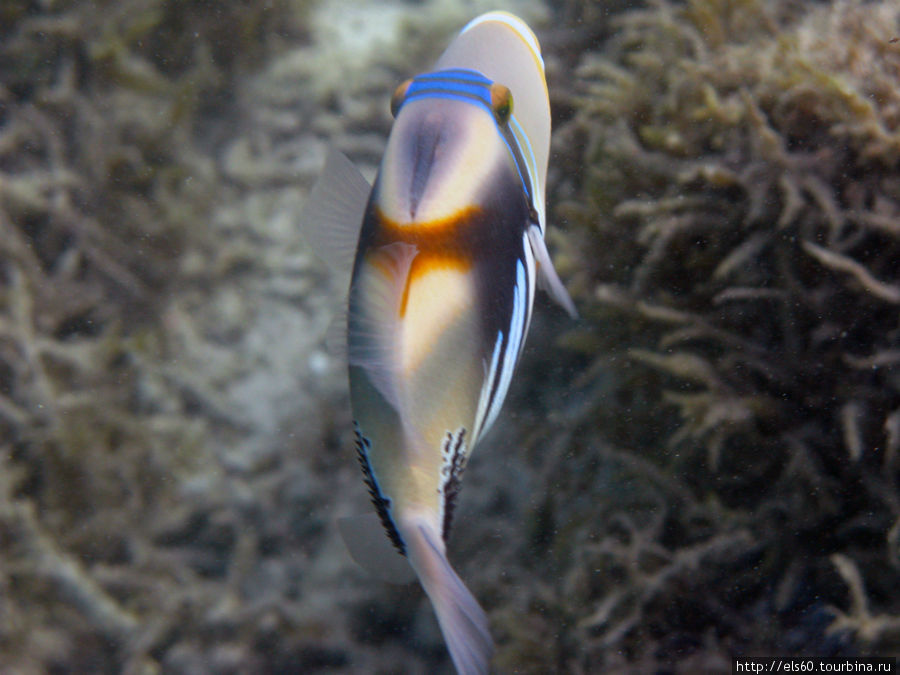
column 463, row 622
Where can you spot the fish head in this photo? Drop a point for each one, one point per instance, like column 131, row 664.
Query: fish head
column 450, row 142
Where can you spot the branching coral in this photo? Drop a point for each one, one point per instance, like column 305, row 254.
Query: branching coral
column 103, row 193
column 859, row 620
column 732, row 239
column 723, row 478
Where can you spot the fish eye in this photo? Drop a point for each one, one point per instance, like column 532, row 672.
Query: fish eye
column 399, row 95
column 501, row 103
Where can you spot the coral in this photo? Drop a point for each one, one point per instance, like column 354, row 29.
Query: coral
column 707, row 466
column 729, row 178
column 103, row 196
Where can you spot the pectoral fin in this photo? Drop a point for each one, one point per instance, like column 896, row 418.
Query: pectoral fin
column 547, row 278
column 373, row 322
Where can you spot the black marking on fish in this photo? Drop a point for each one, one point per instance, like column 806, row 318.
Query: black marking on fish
column 455, row 457
column 508, row 358
column 506, row 217
column 381, row 503
column 427, row 141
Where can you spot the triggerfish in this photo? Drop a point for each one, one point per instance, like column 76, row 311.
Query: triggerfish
column 446, row 250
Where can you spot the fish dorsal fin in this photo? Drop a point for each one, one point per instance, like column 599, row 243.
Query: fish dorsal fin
column 336, row 335
column 374, row 321
column 334, row 211
column 373, row 551
column 547, row 278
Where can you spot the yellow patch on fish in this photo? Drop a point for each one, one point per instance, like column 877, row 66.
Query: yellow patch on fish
column 438, row 233
column 439, row 290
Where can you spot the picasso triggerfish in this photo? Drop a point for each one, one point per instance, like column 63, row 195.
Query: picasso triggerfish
column 446, row 250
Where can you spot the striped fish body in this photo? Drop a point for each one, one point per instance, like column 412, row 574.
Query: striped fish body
column 444, row 275
column 456, row 281
column 448, row 256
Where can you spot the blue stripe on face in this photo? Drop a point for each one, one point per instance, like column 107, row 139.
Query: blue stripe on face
column 470, row 86
column 524, row 145
column 461, row 85
column 466, row 84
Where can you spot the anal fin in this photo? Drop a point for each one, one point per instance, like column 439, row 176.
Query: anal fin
column 373, row 551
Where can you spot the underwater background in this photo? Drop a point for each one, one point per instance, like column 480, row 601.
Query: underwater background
column 705, row 465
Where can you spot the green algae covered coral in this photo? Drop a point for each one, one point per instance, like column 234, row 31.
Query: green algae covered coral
column 103, row 192
column 721, row 477
column 735, row 241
